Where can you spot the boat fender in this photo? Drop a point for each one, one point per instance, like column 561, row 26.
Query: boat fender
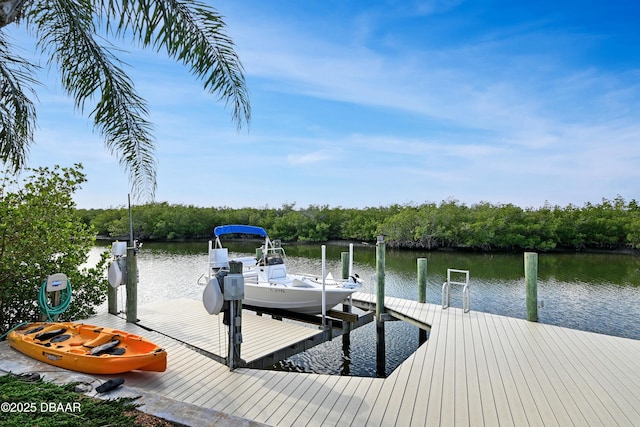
column 115, row 275
column 212, row 297
column 110, row 385
column 50, row 334
column 104, row 347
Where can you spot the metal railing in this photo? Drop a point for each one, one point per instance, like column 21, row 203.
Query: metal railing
column 446, row 294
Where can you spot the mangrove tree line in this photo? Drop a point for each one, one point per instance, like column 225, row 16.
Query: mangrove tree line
column 611, row 224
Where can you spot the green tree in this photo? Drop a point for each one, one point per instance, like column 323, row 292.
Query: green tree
column 42, row 234
column 71, row 34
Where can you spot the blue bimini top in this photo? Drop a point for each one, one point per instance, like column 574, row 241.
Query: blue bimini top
column 243, row 229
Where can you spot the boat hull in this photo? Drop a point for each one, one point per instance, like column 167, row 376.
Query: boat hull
column 299, row 300
column 87, row 348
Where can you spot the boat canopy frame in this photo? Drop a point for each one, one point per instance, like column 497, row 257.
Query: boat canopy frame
column 269, row 246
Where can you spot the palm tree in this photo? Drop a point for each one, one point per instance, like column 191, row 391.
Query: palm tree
column 190, row 32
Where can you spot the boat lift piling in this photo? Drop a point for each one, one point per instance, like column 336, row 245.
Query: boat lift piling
column 422, row 293
column 324, row 295
column 132, row 284
column 346, row 259
column 233, row 291
column 381, row 361
column 124, row 271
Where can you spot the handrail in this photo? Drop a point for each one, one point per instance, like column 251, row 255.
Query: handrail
column 446, row 294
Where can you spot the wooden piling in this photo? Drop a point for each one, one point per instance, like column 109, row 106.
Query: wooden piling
column 132, row 285
column 531, row 279
column 112, row 299
column 344, row 258
column 422, row 280
column 380, row 335
column 380, row 267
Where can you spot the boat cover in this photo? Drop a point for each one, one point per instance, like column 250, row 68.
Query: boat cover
column 243, row 229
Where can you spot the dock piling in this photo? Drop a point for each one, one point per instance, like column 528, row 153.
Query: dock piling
column 422, row 280
column 112, row 300
column 132, row 285
column 380, row 267
column 344, row 258
column 531, row 279
column 380, row 335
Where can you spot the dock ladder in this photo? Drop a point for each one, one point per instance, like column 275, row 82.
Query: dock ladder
column 446, row 297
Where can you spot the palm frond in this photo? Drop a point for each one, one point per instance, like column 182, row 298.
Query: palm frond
column 89, row 71
column 17, row 111
column 192, row 33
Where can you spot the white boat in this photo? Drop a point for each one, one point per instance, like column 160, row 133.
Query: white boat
column 267, row 283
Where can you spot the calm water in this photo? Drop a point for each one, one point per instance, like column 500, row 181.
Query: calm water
column 591, row 292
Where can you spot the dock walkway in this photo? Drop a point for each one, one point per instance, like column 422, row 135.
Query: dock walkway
column 476, row 369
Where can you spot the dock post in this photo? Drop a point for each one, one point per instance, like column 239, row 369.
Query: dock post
column 422, row 293
column 112, row 300
column 422, row 280
column 380, row 267
column 132, row 285
column 344, row 258
column 381, row 361
column 531, row 279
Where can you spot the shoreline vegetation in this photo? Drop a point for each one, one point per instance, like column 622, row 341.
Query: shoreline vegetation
column 612, row 225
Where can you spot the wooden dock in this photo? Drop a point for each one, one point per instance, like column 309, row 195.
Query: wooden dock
column 476, row 369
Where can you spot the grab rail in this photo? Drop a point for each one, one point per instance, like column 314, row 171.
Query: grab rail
column 446, row 294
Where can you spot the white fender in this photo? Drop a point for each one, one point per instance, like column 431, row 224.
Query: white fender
column 212, row 297
column 115, row 275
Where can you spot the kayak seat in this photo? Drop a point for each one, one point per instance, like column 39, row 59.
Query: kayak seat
column 104, row 348
column 60, row 338
column 98, row 341
column 34, row 330
column 116, row 351
column 49, row 334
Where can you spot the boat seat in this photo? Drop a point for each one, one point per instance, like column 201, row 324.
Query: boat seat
column 277, row 273
column 98, row 341
column 49, row 334
column 60, row 338
column 34, row 330
column 104, row 348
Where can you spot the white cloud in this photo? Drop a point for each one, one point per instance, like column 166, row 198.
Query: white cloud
column 299, row 159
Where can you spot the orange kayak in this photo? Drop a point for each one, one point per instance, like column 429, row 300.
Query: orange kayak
column 87, row 348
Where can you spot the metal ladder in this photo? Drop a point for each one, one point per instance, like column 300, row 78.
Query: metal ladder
column 446, row 297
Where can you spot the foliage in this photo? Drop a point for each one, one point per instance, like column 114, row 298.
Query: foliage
column 483, row 226
column 34, row 398
column 42, row 234
column 72, row 36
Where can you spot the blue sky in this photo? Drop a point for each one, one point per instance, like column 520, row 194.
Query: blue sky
column 372, row 103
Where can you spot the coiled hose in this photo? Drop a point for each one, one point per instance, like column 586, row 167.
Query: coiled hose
column 50, row 311
column 46, row 308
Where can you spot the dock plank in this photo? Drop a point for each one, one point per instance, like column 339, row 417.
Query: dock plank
column 539, row 410
column 193, row 326
column 437, row 388
column 561, row 382
column 475, row 369
column 470, row 357
column 317, row 397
